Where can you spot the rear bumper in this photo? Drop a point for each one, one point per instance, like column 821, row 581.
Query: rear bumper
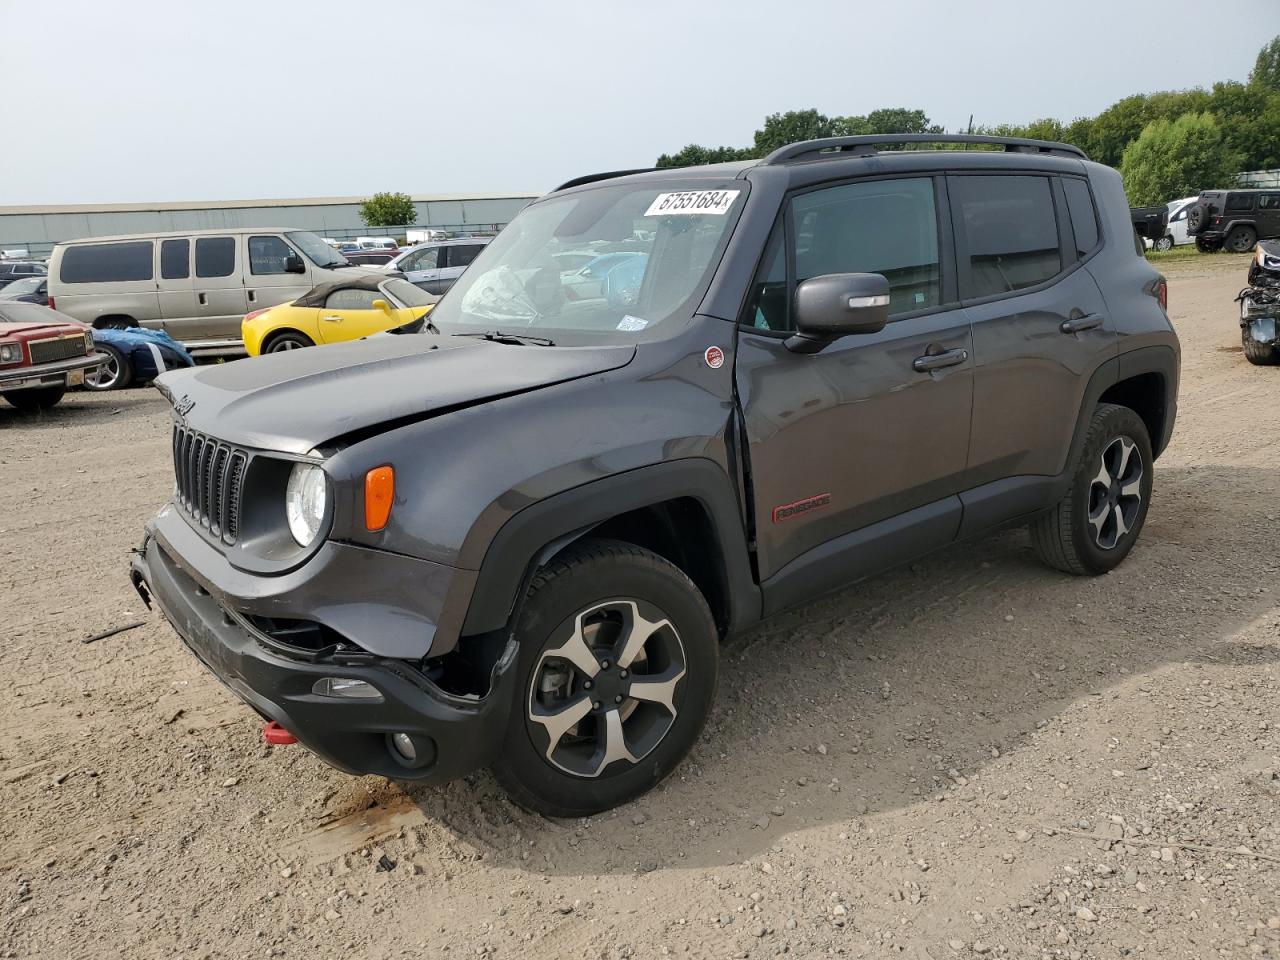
column 47, row 374
column 453, row 735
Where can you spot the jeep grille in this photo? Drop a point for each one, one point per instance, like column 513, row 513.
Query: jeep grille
column 210, row 478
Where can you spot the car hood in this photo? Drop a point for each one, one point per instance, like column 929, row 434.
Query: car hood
column 298, row 400
column 34, row 331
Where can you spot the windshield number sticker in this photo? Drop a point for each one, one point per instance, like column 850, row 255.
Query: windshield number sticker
column 715, row 202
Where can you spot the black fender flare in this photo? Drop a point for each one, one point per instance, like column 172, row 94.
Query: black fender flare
column 538, row 532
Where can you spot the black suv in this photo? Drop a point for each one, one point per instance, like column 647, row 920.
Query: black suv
column 1234, row 219
column 518, row 538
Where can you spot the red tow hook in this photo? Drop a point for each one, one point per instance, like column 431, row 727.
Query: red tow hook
column 278, row 735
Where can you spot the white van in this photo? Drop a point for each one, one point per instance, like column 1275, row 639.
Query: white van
column 376, row 243
column 196, row 285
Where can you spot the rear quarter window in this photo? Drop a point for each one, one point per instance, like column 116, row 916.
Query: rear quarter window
column 1084, row 222
column 107, row 262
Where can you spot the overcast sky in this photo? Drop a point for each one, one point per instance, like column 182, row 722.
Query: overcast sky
column 242, row 100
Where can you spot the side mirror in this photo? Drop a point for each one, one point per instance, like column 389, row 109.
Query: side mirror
column 382, row 305
column 837, row 305
column 293, row 264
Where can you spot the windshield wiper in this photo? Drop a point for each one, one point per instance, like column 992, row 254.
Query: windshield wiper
column 497, row 336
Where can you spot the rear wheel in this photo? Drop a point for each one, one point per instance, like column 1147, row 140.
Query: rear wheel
column 1165, row 243
column 617, row 670
column 1259, row 354
column 1097, row 521
column 289, row 340
column 115, row 374
column 39, row 398
column 1241, row 239
column 1208, row 246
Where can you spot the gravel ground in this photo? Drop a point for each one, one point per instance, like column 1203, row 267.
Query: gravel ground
column 970, row 756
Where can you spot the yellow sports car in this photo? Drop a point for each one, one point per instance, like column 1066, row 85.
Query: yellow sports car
column 346, row 309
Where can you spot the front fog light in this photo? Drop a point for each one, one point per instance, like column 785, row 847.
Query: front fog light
column 345, row 688
column 304, row 502
column 404, row 746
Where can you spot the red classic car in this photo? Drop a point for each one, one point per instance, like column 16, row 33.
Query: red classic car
column 42, row 353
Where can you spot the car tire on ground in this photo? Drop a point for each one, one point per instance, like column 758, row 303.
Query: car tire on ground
column 1165, row 243
column 38, row 398
column 1259, row 354
column 1208, row 246
column 115, row 374
column 289, row 340
column 602, row 622
column 115, row 323
column 1241, row 239
column 1095, row 524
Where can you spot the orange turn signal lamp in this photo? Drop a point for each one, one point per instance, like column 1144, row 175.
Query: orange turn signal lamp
column 379, row 493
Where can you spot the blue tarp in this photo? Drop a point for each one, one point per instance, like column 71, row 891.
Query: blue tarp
column 136, row 343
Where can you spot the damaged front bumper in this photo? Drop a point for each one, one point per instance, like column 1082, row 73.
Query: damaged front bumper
column 451, row 735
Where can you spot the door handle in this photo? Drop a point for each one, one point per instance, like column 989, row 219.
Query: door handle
column 253, row 296
column 936, row 361
column 332, row 319
column 204, row 299
column 1077, row 324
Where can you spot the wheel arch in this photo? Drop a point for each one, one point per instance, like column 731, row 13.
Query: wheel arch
column 106, row 320
column 684, row 510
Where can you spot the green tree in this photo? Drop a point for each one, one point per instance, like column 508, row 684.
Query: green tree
column 694, row 155
column 793, row 126
column 1266, row 69
column 1250, row 121
column 388, row 210
column 1177, row 158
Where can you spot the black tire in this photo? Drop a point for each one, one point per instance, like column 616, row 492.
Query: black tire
column 586, row 593
column 1164, row 243
column 1259, row 354
column 115, row 374
column 1197, row 218
column 1064, row 537
column 288, row 340
column 115, row 323
column 1208, row 246
column 37, row 398
column 1241, row 239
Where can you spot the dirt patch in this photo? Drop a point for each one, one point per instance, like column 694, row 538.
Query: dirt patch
column 972, row 755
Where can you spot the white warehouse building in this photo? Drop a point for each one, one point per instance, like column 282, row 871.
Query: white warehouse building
column 36, row 229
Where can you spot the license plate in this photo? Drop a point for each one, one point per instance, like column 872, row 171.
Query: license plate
column 75, row 378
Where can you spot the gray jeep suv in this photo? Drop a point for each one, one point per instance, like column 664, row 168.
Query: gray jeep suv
column 517, row 539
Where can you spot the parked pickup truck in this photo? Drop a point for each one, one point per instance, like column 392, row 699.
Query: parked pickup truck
column 518, row 538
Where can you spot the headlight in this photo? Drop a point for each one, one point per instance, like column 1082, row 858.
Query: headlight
column 304, row 502
column 10, row 353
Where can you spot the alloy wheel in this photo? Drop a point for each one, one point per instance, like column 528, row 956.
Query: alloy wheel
column 288, row 343
column 1115, row 493
column 606, row 692
column 105, row 376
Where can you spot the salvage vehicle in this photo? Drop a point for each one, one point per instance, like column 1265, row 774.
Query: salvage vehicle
column 347, row 309
column 1234, row 219
column 134, row 357
column 1260, row 307
column 435, row 267
column 28, row 290
column 42, row 353
column 1175, row 231
column 517, row 539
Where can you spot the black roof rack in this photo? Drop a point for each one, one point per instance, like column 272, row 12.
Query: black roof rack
column 865, row 146
column 594, row 177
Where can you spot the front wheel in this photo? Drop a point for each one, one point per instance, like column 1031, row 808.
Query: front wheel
column 114, row 374
column 1164, row 243
column 37, row 398
column 1259, row 354
column 617, row 671
column 1097, row 521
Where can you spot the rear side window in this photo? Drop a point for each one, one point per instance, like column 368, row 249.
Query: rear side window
column 463, row 254
column 175, row 259
column 1239, row 201
column 888, row 227
column 268, row 255
column 1007, row 232
column 215, row 256
column 1084, row 222
column 107, row 262
column 1269, row 201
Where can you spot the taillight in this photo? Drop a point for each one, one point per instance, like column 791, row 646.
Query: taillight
column 256, row 313
column 1162, row 294
column 52, row 304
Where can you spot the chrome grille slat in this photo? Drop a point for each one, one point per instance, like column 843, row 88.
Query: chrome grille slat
column 209, row 477
column 61, row 348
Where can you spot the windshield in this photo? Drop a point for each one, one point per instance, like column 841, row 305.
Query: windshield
column 408, row 294
column 21, row 287
column 317, row 251
column 667, row 237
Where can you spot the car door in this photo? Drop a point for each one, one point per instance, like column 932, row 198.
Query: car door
column 424, row 266
column 277, row 272
column 349, row 314
column 1040, row 323
column 219, row 288
column 873, row 430
column 175, row 286
column 1268, row 216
